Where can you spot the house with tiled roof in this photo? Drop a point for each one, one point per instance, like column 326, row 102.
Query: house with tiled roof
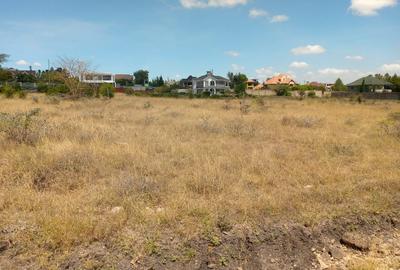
column 281, row 79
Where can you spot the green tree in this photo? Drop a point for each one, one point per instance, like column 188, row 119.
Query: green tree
column 24, row 77
column 3, row 58
column 141, row 77
column 339, row 85
column 239, row 83
column 106, row 90
column 157, row 82
column 5, row 75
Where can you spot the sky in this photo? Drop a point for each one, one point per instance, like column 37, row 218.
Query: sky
column 313, row 40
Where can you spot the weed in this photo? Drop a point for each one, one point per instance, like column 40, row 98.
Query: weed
column 22, row 127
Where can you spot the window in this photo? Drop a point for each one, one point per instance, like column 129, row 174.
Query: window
column 212, row 83
column 106, row 77
column 200, row 84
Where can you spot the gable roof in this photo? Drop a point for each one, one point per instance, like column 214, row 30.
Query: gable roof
column 209, row 74
column 370, row 80
column 280, row 79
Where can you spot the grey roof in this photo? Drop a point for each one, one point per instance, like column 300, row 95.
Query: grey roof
column 370, row 81
column 212, row 75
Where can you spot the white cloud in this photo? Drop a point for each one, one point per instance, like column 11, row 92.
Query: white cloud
column 237, row 68
column 391, row 68
column 370, row 7
column 309, row 49
column 333, row 71
column 299, row 65
column 354, row 57
column 232, row 53
column 279, row 18
column 263, row 73
column 255, row 13
column 211, row 3
column 37, row 64
column 22, row 63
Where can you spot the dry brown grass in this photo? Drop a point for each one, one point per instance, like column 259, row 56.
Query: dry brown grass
column 185, row 165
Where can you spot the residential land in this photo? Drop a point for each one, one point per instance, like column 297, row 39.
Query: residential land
column 159, row 183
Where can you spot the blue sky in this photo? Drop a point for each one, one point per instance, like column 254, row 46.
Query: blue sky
column 310, row 39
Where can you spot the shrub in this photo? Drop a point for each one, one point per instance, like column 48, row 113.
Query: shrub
column 22, row 94
column 22, row 128
column 301, row 122
column 106, row 90
column 42, row 88
column 129, row 91
column 8, row 91
column 57, row 90
column 283, row 91
column 311, row 94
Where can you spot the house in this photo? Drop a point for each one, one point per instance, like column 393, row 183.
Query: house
column 251, row 84
column 124, row 80
column 281, row 79
column 98, row 78
column 210, row 83
column 370, row 84
column 124, row 77
column 187, row 83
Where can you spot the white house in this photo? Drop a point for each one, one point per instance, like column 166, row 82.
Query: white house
column 98, row 78
column 210, row 83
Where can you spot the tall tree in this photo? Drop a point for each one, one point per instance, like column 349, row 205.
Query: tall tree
column 141, row 77
column 239, row 83
column 339, row 85
column 73, row 69
column 3, row 58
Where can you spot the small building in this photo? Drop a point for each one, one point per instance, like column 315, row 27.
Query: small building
column 98, row 78
column 252, row 84
column 125, row 77
column 211, row 84
column 281, row 79
column 370, row 84
column 187, row 83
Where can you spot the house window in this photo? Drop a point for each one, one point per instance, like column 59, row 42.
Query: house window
column 212, row 83
column 106, row 77
column 200, row 84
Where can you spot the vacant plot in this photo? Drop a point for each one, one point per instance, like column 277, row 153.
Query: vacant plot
column 178, row 183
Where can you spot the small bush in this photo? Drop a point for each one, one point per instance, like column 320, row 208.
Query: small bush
column 283, row 91
column 8, row 91
column 57, row 90
column 312, row 94
column 106, row 90
column 244, row 107
column 42, row 88
column 22, row 94
column 22, row 128
column 129, row 91
column 302, row 122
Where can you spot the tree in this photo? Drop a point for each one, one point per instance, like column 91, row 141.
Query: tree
column 339, row 85
column 157, row 82
column 26, row 78
column 3, row 58
column 5, row 75
column 106, row 90
column 141, row 77
column 238, row 82
column 72, row 70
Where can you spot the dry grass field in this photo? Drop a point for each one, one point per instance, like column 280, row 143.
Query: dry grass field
column 135, row 178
